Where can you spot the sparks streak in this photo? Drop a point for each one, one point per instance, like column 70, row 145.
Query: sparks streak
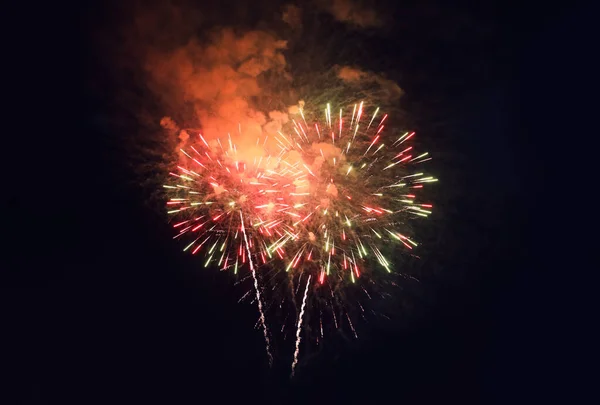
column 258, row 300
column 299, row 328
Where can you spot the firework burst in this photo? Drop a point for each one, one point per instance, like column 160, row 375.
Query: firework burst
column 322, row 197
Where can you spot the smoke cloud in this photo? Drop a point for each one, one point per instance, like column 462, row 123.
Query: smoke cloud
column 223, row 83
column 292, row 16
column 220, row 80
column 352, row 12
column 357, row 77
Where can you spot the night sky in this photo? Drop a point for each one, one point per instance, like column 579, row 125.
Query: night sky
column 102, row 307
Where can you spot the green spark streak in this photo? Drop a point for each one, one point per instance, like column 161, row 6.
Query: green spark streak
column 208, row 261
column 402, row 137
column 378, row 149
column 358, row 248
column 277, row 245
column 382, row 260
column 374, row 115
column 268, row 252
column 393, row 234
column 355, row 130
column 363, row 247
column 385, row 263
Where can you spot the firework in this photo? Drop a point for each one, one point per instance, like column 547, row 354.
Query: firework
column 325, row 197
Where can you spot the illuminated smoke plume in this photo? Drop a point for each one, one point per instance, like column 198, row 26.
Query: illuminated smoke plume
column 220, row 80
column 292, row 16
column 353, row 76
column 353, row 12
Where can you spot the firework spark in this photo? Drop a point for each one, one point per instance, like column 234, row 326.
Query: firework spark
column 299, row 328
column 257, row 290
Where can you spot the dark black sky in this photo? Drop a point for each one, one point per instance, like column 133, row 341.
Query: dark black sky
column 100, row 308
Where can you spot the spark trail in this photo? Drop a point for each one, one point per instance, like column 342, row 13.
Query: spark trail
column 258, row 299
column 299, row 329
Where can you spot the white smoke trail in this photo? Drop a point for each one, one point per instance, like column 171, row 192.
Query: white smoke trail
column 298, row 338
column 258, row 299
